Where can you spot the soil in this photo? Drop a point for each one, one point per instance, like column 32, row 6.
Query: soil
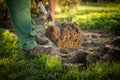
column 96, row 45
column 65, row 35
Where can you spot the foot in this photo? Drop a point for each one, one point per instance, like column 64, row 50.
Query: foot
column 41, row 41
column 39, row 50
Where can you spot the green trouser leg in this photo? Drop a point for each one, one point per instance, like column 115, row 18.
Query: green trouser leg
column 23, row 25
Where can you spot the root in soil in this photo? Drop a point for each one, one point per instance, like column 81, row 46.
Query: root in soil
column 65, row 35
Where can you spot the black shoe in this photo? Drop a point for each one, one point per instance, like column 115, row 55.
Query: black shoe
column 41, row 41
column 39, row 50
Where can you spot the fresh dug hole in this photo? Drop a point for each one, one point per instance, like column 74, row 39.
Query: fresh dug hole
column 65, row 35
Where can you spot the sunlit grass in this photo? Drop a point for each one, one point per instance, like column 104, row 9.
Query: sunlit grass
column 100, row 71
column 100, row 17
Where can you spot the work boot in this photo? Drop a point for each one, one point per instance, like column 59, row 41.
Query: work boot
column 41, row 40
column 38, row 50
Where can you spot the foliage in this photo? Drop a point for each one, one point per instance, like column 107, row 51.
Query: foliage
column 104, row 17
column 99, row 71
column 102, row 1
column 117, row 1
column 8, row 44
column 3, row 10
column 35, row 8
column 67, row 5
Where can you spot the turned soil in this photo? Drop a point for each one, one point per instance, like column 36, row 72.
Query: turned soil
column 96, row 45
column 65, row 35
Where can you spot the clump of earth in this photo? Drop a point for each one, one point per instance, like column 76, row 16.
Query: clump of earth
column 65, row 35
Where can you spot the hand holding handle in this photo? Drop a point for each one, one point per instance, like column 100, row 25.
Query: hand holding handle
column 49, row 15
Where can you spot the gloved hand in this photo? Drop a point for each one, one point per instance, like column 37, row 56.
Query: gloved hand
column 38, row 1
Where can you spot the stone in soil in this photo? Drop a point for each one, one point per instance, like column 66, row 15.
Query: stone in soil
column 65, row 35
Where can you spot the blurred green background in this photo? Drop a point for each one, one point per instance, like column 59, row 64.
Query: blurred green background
column 90, row 14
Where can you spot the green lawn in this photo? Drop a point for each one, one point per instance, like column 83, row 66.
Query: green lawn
column 94, row 16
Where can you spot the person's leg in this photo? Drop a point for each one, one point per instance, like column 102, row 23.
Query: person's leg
column 19, row 11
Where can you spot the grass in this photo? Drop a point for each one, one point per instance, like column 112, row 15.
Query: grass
column 100, row 71
column 95, row 16
column 14, row 65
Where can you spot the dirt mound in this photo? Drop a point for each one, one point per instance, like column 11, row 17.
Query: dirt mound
column 65, row 35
